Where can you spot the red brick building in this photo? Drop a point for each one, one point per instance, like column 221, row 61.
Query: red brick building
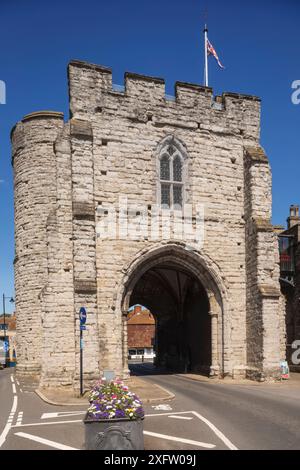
column 141, row 333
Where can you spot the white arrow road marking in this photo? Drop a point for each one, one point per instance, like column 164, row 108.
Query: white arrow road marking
column 180, row 417
column 62, row 414
column 49, row 423
column 9, row 421
column 179, row 439
column 162, row 407
column 41, row 440
column 220, row 435
column 175, row 413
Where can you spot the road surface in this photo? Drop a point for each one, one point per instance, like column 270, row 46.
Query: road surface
column 203, row 416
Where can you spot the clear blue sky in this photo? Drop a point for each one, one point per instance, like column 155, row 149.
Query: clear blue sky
column 257, row 40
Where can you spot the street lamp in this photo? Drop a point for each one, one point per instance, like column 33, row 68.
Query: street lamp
column 11, row 299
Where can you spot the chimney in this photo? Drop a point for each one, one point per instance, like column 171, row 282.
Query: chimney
column 294, row 218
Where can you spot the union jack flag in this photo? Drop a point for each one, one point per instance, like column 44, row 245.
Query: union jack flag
column 211, row 50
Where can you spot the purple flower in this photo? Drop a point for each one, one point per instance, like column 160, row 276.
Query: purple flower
column 120, row 414
column 140, row 412
column 113, row 400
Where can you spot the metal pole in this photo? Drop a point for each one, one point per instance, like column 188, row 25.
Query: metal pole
column 4, row 318
column 4, row 312
column 205, row 55
column 81, row 363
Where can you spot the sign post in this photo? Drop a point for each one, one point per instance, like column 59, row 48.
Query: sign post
column 82, row 318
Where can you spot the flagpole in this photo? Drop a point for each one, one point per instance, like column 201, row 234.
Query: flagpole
column 205, row 55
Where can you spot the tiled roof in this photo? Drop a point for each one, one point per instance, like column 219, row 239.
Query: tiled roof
column 143, row 318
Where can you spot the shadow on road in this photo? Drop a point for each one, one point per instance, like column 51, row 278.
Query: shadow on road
column 148, row 368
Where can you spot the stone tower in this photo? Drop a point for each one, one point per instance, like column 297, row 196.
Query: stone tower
column 216, row 300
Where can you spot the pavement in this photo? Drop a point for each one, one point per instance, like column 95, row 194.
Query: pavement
column 202, row 415
column 148, row 393
column 293, row 381
column 146, row 369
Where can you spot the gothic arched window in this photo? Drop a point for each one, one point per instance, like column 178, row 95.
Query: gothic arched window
column 171, row 177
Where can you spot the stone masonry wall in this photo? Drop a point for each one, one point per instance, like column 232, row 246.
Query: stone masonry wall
column 58, row 296
column 127, row 129
column 35, row 197
column 265, row 332
column 84, row 245
column 77, row 172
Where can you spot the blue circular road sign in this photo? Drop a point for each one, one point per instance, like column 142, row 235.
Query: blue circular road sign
column 82, row 315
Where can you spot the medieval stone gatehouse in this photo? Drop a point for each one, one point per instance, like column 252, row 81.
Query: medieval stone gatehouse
column 96, row 201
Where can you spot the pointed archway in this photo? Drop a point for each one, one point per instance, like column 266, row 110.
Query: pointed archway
column 187, row 299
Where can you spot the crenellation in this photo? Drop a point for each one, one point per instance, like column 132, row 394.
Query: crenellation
column 238, row 113
column 191, row 95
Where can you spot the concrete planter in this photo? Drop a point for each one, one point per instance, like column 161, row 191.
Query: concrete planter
column 113, row 434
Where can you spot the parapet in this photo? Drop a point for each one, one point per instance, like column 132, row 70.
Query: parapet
column 144, row 86
column 91, row 88
column 240, row 96
column 186, row 94
column 43, row 115
column 36, row 128
column 37, row 115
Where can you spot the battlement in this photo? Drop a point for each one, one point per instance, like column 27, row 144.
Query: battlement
column 104, row 75
column 142, row 98
column 90, row 83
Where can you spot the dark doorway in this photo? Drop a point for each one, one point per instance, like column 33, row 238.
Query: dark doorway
column 180, row 305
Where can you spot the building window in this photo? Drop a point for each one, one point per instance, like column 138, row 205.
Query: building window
column 165, row 168
column 132, row 352
column 171, row 171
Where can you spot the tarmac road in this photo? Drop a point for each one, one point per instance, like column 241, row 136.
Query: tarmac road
column 252, row 416
column 202, row 416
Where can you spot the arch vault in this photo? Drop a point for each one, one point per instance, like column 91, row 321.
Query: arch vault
column 184, row 292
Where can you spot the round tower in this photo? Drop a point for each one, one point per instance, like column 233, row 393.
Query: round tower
column 34, row 166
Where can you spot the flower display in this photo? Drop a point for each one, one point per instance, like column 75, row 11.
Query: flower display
column 113, row 400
